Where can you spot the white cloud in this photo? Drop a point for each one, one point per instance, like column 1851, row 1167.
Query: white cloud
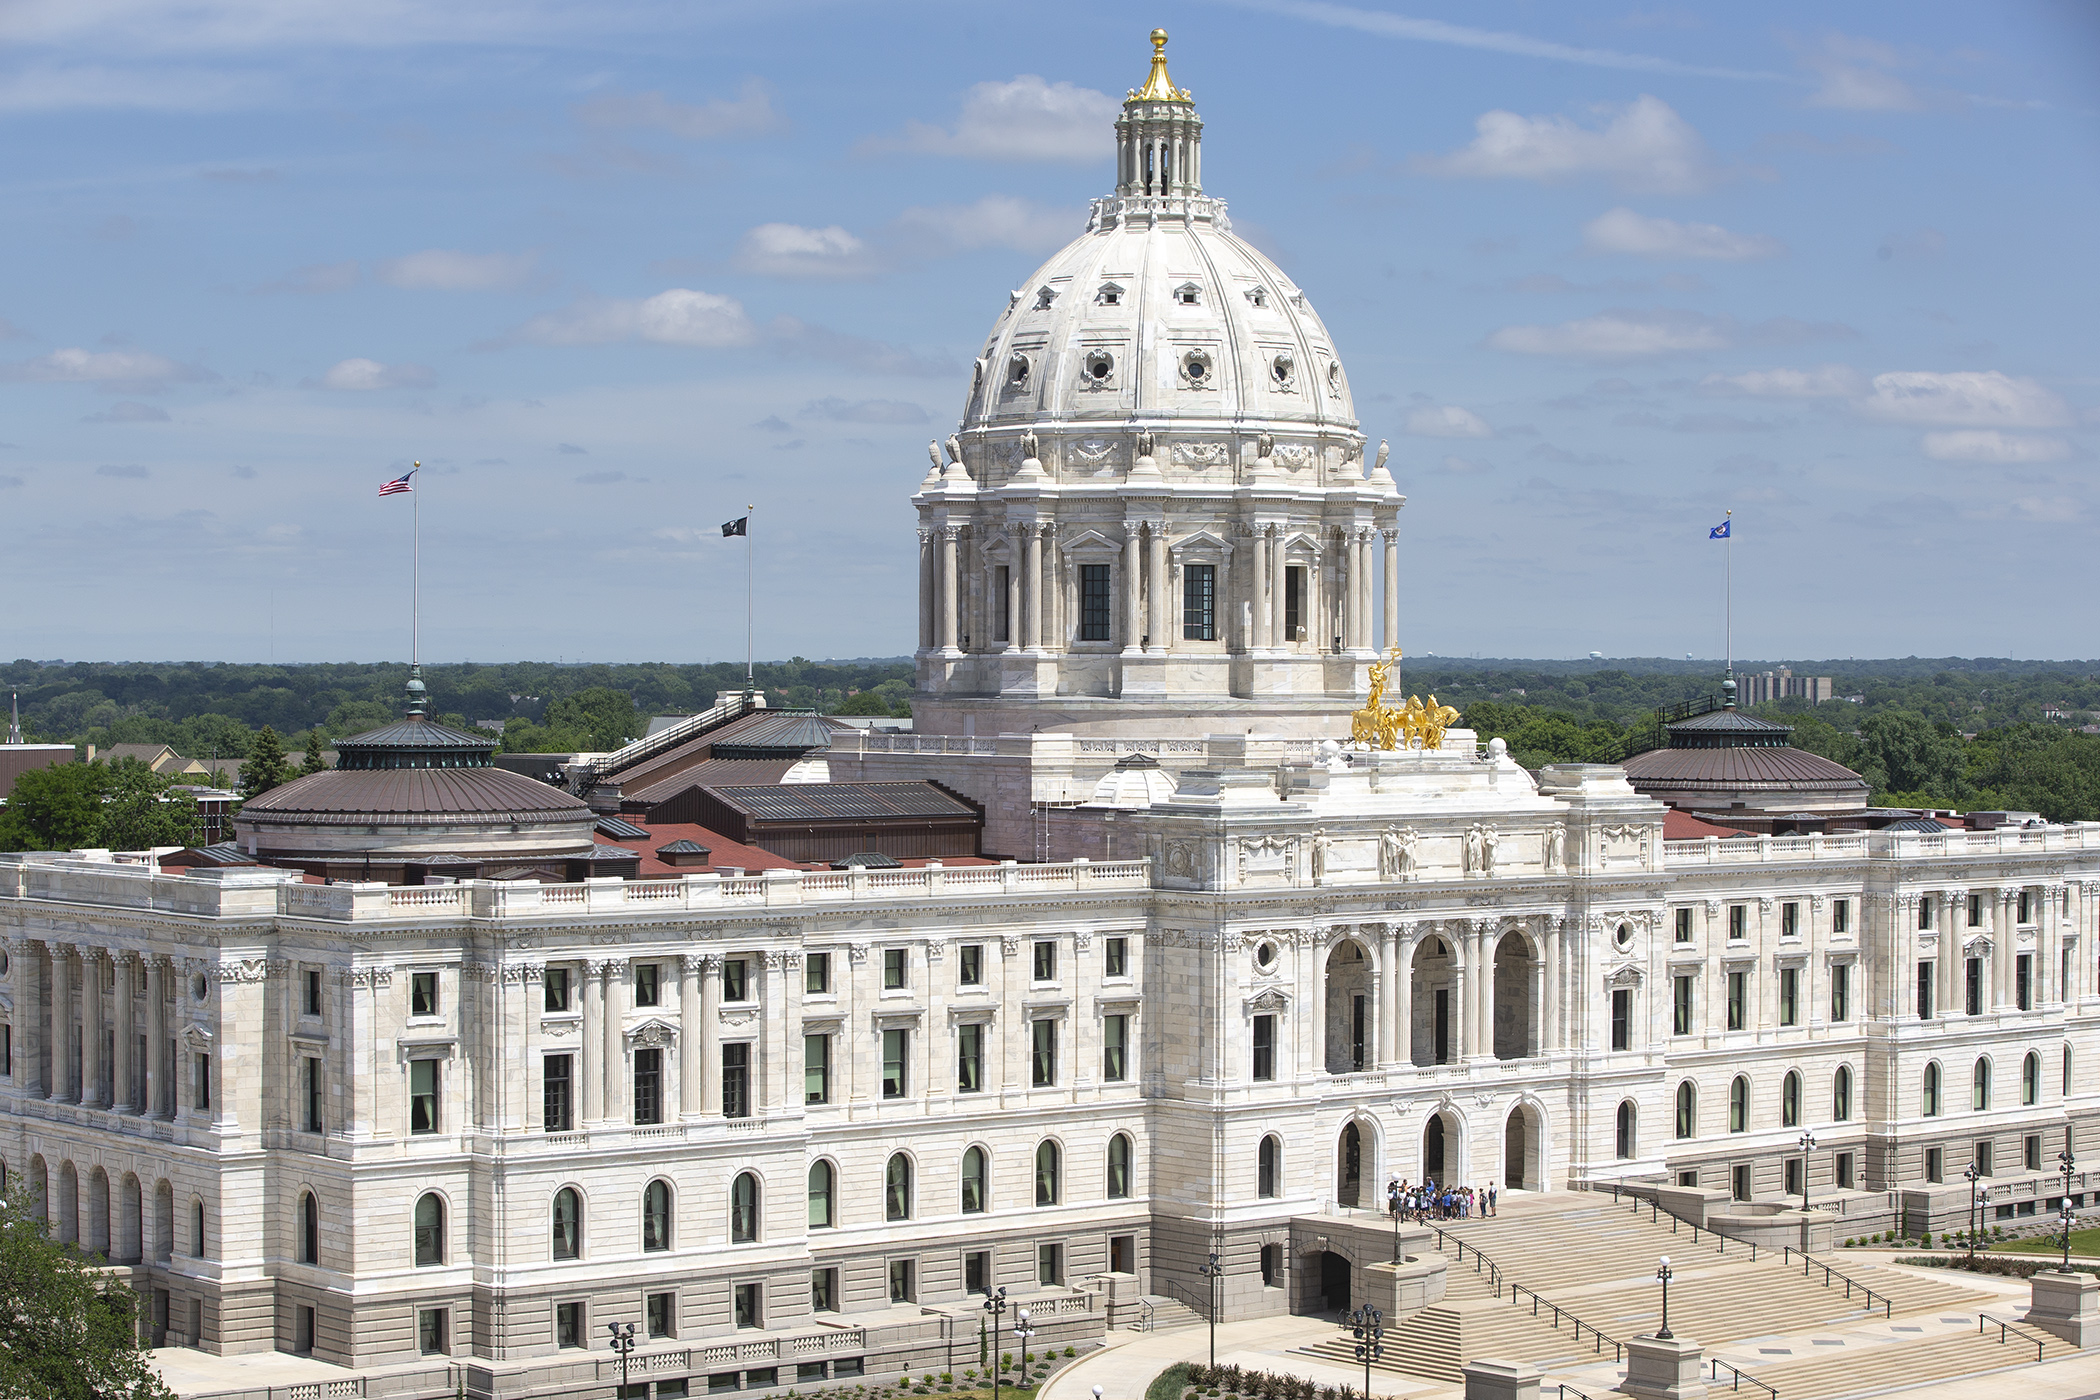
column 1448, row 420
column 1624, row 231
column 749, row 113
column 109, row 368
column 995, row 221
column 1643, row 145
column 679, row 316
column 1822, row 382
column 1614, row 335
column 1990, row 445
column 1025, row 119
column 359, row 375
column 1963, row 398
column 1855, row 75
column 790, row 250
column 441, row 270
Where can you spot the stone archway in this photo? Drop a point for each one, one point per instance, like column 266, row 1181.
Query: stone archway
column 1516, row 1008
column 1439, row 1149
column 1433, row 1003
column 1334, row 1282
column 1348, row 1009
column 1349, row 1166
column 1523, row 1150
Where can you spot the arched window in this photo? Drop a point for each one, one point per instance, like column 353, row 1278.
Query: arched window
column 309, row 1228
column 1267, row 1168
column 1980, row 1082
column 430, row 1230
column 197, row 1230
column 568, row 1224
column 743, row 1209
column 1625, row 1143
column 1046, row 1173
column 1687, row 1110
column 1739, row 1105
column 820, row 1195
column 1841, row 1094
column 896, row 1188
column 1932, row 1090
column 1790, row 1100
column 2067, row 1071
column 973, row 1181
column 2031, row 1079
column 656, row 1216
column 1119, row 1168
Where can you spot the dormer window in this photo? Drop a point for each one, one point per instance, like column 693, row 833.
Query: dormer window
column 1188, row 294
column 1017, row 372
column 1044, row 296
column 1258, row 295
column 1109, row 295
column 1283, row 372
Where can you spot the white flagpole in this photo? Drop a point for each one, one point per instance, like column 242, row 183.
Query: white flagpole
column 1728, row 593
column 415, row 575
column 748, row 688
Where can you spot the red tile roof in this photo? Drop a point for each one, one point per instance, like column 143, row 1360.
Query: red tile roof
column 1683, row 826
column 726, row 852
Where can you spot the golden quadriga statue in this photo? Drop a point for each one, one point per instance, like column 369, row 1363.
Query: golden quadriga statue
column 1412, row 725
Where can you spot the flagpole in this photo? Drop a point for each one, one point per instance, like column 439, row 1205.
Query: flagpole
column 415, row 586
column 748, row 633
column 1728, row 591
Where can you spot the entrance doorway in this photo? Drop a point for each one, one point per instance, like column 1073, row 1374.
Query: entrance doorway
column 1334, row 1282
column 1349, row 1178
column 1433, row 1150
column 1523, row 1146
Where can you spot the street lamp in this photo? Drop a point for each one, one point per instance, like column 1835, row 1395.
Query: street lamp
column 995, row 1304
column 623, row 1343
column 1213, row 1271
column 2067, row 1218
column 1392, row 1206
column 2066, row 1164
column 1022, row 1332
column 1663, row 1273
column 1969, row 1174
column 1367, row 1325
column 1808, row 1145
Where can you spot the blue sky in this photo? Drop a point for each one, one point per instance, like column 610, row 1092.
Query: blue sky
column 613, row 271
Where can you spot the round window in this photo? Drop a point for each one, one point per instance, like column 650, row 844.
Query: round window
column 1196, row 367
column 1265, row 955
column 1100, row 365
column 199, row 988
column 1017, row 370
column 1281, row 369
column 1623, row 936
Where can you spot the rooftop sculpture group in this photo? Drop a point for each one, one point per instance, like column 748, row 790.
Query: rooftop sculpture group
column 1381, row 726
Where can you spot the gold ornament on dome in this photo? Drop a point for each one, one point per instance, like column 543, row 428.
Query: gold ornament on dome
column 1158, row 86
column 1381, row 726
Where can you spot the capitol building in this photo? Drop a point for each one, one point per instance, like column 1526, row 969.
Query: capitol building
column 1228, row 971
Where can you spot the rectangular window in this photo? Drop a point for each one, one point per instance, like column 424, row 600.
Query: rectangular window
column 662, row 1312
column 750, row 1306
column 1738, row 921
column 1739, row 1180
column 969, row 1058
column 303, row 1332
column 894, row 1044
column 1841, row 991
column 1049, row 1265
column 1972, row 986
column 1790, row 920
column 1975, row 911
column 1622, row 1018
column 736, row 1080
column 2023, row 981
column 969, row 965
column 1096, row 603
column 1841, row 916
column 7, row 1049
column 1042, row 1053
column 1003, row 618
column 816, row 1069
column 2026, row 907
column 312, row 1004
column 423, row 1080
column 894, row 969
column 1115, row 957
column 314, row 1086
column 645, row 984
column 1043, row 967
column 823, row 1290
column 557, row 1107
column 649, row 1085
column 816, row 974
column 736, row 979
column 568, row 1324
column 1935, row 1164
column 1265, row 1047
column 1115, row 1032
column 903, row 1286
column 1790, row 1181
column 1684, row 925
column 1293, row 604
column 1984, row 1153
column 1843, row 1168
column 1789, row 996
column 1738, row 1000
column 977, row 1271
column 422, row 994
column 554, row 989
column 2031, row 1152
column 1924, row 991
column 430, row 1331
column 1681, row 1006
column 1199, row 602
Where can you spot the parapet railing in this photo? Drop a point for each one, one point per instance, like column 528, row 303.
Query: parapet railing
column 1736, row 1378
column 2006, row 1331
column 1831, row 1277
column 1598, row 1338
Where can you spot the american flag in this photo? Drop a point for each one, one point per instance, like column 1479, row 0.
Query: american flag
column 398, row 484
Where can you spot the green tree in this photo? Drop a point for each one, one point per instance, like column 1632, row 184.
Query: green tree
column 66, row 1333
column 265, row 767
column 867, row 702
column 141, row 810
column 606, row 715
column 55, row 809
column 316, row 760
column 1907, row 753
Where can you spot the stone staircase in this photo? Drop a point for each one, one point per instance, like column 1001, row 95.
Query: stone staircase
column 1169, row 1314
column 1597, row 1261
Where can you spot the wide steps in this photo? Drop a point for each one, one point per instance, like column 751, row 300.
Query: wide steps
column 1170, row 1314
column 1872, row 1370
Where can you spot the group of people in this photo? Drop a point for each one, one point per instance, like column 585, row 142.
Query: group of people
column 1432, row 1201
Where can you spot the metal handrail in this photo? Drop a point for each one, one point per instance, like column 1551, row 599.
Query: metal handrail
column 2005, row 1327
column 1144, row 1318
column 1786, row 1253
column 1186, row 1297
column 1713, row 1372
column 1494, row 1271
column 1566, row 1390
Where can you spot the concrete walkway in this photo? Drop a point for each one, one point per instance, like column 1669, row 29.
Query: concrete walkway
column 1131, row 1360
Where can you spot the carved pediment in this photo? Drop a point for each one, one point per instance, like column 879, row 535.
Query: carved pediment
column 1269, row 1001
column 654, row 1031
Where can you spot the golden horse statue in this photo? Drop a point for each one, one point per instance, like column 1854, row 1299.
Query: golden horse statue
column 1378, row 725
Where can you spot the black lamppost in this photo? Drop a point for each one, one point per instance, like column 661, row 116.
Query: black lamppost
column 623, row 1343
column 1970, row 1174
column 2066, row 1164
column 1808, row 1145
column 1392, row 1206
column 996, row 1306
column 2066, row 1217
column 1663, row 1333
column 1213, row 1271
column 1367, row 1325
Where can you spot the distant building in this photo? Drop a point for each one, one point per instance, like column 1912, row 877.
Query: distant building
column 17, row 759
column 1777, row 685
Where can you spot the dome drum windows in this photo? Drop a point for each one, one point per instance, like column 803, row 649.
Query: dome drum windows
column 1097, row 369
column 1019, row 371
column 1197, row 370
column 1283, row 372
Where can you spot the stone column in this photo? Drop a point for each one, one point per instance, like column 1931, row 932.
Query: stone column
column 28, row 957
column 2005, row 942
column 590, row 1074
column 1948, row 925
column 948, row 582
column 1345, row 589
column 612, row 1053
column 1032, row 597
column 927, row 585
column 63, row 1089
column 1550, row 1032
column 710, row 1029
column 1158, row 586
column 1461, row 990
column 124, row 1098
column 1392, row 587
column 1133, row 585
column 91, row 1027
column 692, row 1071
column 768, row 1094
column 1484, row 989
column 1388, row 995
column 1279, row 586
column 1258, row 589
column 156, row 1032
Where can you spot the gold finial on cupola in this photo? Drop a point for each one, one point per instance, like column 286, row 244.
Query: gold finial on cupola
column 1158, row 86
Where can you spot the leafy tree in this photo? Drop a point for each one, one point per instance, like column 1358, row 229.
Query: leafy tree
column 65, row 1332
column 1905, row 752
column 866, row 702
column 55, row 809
column 265, row 767
column 606, row 715
column 141, row 811
column 316, row 760
column 1538, row 736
